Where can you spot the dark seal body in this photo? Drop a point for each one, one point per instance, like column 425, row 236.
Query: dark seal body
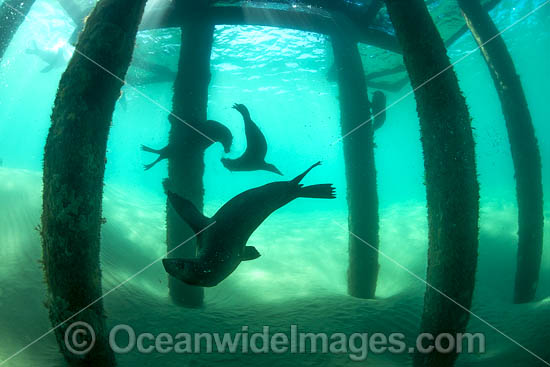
column 214, row 130
column 253, row 159
column 222, row 239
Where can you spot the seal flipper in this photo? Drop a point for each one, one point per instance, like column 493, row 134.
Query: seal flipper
column 243, row 110
column 188, row 212
column 322, row 191
column 147, row 167
column 161, row 152
column 145, row 148
column 249, row 253
column 271, row 168
column 301, row 177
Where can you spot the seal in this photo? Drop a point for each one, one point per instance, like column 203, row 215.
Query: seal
column 213, row 129
column 253, row 159
column 54, row 59
column 222, row 239
column 378, row 109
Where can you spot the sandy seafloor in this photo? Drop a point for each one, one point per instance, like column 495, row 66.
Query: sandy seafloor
column 300, row 279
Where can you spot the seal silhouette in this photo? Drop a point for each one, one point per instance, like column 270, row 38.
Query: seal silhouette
column 213, row 129
column 378, row 109
column 222, row 239
column 253, row 159
column 54, row 59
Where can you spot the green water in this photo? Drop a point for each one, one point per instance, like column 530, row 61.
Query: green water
column 301, row 277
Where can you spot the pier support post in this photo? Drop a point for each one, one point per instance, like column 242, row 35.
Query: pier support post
column 186, row 165
column 74, row 166
column 523, row 143
column 451, row 180
column 12, row 15
column 360, row 169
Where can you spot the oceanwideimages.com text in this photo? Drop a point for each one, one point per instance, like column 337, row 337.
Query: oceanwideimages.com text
column 123, row 339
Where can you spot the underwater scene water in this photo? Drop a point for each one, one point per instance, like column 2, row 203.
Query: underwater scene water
column 300, row 278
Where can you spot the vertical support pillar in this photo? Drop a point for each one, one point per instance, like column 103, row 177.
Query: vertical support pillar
column 451, row 180
column 360, row 168
column 74, row 166
column 523, row 143
column 186, row 165
column 12, row 15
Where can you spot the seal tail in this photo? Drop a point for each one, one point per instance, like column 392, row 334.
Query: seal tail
column 156, row 151
column 147, row 167
column 301, row 177
column 323, row 191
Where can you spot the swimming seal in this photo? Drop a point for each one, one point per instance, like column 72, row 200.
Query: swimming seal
column 222, row 239
column 378, row 109
column 253, row 159
column 54, row 59
column 213, row 129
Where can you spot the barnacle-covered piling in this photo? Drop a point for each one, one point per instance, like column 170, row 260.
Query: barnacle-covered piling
column 74, row 165
column 12, row 15
column 451, row 181
column 360, row 167
column 186, row 166
column 523, row 143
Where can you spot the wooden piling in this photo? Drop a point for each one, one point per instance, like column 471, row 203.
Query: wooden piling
column 360, row 168
column 186, row 168
column 74, row 166
column 523, row 143
column 12, row 15
column 450, row 173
